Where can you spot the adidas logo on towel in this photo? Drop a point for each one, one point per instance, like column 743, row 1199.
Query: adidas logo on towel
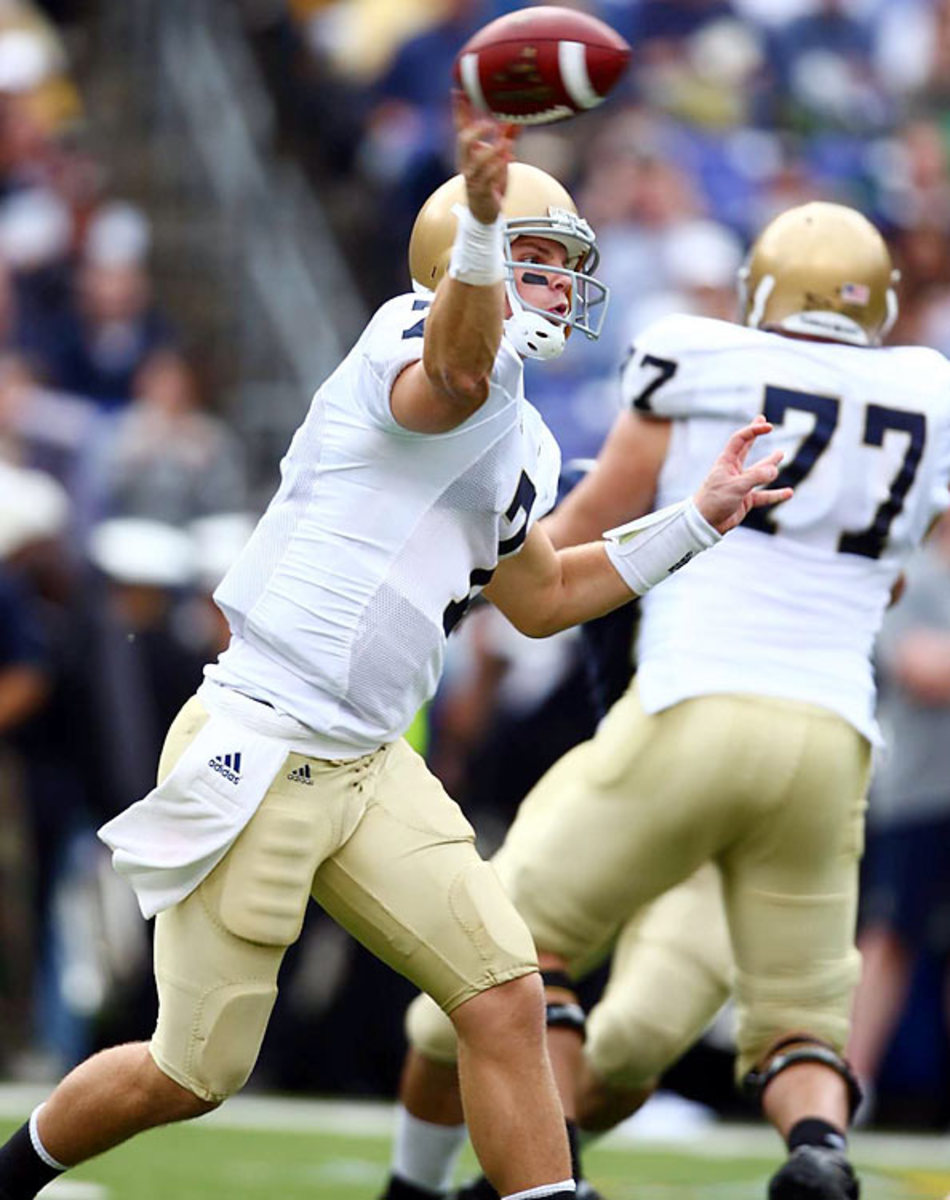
column 301, row 775
column 228, row 765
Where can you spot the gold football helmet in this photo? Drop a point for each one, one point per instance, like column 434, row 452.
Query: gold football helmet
column 535, row 205
column 821, row 270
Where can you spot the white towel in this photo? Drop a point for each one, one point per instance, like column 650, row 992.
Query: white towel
column 168, row 842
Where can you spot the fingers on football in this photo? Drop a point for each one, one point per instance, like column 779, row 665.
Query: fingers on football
column 472, row 123
column 461, row 109
column 486, row 170
column 507, row 136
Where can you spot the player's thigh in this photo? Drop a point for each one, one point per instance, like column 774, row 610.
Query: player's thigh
column 218, row 952
column 410, row 885
column 797, row 859
column 791, row 884
column 670, row 973
column 616, row 822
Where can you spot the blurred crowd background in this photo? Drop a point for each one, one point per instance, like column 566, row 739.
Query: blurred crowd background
column 200, row 203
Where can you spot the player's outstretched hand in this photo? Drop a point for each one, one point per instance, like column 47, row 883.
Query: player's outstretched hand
column 484, row 148
column 731, row 488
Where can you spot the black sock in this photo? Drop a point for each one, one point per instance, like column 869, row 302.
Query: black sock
column 813, row 1131
column 574, row 1144
column 22, row 1171
column 400, row 1189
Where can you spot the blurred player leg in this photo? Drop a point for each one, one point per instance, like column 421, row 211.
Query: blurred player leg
column 670, row 973
column 790, row 883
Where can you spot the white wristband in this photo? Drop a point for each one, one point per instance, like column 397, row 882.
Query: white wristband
column 648, row 550
column 478, row 253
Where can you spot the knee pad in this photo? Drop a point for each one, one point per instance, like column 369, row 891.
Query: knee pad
column 630, row 1046
column 430, row 1031
column 817, row 1002
column 215, row 1057
column 623, row 1052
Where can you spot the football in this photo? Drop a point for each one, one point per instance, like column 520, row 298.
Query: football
column 540, row 65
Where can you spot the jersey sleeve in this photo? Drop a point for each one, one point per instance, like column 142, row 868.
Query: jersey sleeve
column 673, row 369
column 392, row 341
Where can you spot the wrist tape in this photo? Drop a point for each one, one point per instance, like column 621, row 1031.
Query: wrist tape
column 478, row 253
column 648, row 550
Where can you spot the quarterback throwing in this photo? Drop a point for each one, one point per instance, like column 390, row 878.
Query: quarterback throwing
column 415, row 480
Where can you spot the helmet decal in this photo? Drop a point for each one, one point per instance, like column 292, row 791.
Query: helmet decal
column 820, row 270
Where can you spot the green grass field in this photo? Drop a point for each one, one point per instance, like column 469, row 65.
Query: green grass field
column 268, row 1149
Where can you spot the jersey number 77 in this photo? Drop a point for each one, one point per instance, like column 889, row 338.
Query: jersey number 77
column 879, row 419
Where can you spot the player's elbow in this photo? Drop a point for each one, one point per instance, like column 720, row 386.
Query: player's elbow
column 463, row 387
column 535, row 622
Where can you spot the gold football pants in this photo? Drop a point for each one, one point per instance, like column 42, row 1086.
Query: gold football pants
column 382, row 849
column 670, row 973
column 771, row 791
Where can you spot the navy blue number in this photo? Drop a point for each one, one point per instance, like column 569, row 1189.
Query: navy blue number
column 870, row 542
column 666, row 369
column 525, row 495
column 778, row 401
column 523, row 501
column 455, row 610
column 417, row 330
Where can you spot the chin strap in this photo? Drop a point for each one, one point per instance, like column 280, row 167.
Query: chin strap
column 531, row 334
column 534, row 337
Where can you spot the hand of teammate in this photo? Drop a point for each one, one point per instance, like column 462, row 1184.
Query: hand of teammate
column 731, row 488
column 484, row 148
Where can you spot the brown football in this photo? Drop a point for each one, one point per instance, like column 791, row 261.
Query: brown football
column 540, row 65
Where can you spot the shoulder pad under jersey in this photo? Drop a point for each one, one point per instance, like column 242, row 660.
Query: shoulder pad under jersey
column 681, row 366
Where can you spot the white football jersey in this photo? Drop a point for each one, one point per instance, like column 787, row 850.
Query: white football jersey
column 789, row 604
column 376, row 541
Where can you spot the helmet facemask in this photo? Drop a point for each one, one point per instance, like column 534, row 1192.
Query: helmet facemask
column 535, row 332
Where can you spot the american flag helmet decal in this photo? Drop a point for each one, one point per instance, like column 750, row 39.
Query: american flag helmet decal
column 855, row 293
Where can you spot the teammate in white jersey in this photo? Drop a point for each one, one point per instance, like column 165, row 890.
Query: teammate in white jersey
column 414, row 481
column 745, row 739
